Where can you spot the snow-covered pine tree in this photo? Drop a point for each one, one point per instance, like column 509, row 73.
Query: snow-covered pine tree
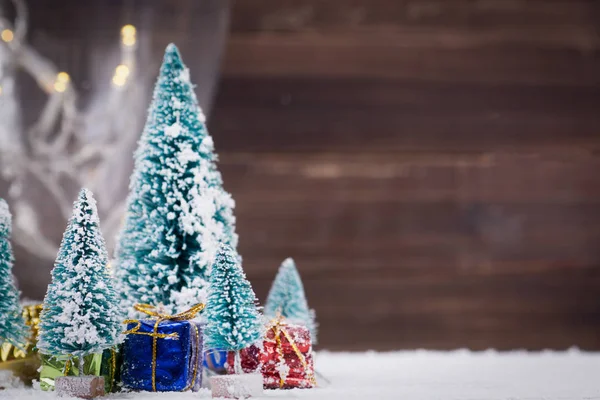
column 81, row 309
column 178, row 212
column 12, row 324
column 232, row 318
column 287, row 297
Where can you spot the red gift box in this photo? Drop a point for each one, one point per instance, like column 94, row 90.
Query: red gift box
column 285, row 359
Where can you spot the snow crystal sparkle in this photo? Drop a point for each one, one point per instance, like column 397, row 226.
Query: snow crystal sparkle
column 287, row 298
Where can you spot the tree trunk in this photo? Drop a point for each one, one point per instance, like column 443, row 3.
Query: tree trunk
column 237, row 363
column 81, row 362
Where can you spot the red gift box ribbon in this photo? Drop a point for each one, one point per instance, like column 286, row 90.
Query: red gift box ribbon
column 277, row 326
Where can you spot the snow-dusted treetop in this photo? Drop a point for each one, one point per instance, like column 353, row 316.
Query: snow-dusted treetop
column 178, row 212
column 80, row 314
column 287, row 298
column 5, row 218
column 232, row 318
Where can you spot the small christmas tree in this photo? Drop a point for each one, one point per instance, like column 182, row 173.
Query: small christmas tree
column 287, row 298
column 233, row 321
column 12, row 324
column 80, row 314
column 178, row 212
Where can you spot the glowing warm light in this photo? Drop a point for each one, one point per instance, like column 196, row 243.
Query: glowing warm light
column 120, row 76
column 119, row 80
column 63, row 77
column 0, row 90
column 61, row 82
column 59, row 87
column 122, row 70
column 128, row 30
column 7, row 35
column 129, row 40
column 128, row 35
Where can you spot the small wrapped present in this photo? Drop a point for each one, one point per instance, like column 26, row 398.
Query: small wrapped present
column 105, row 364
column 24, row 361
column 285, row 359
column 163, row 354
column 216, row 360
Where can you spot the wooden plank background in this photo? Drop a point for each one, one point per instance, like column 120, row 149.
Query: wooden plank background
column 432, row 166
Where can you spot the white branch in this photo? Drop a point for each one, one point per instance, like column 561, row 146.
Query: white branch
column 35, row 243
column 68, row 148
column 112, row 221
column 51, row 184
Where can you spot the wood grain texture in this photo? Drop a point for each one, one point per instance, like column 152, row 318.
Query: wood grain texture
column 430, row 164
column 330, row 15
column 368, row 114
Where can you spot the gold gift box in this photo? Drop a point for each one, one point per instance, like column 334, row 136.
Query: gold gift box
column 24, row 361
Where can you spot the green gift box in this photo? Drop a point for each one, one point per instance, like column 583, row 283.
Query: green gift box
column 106, row 364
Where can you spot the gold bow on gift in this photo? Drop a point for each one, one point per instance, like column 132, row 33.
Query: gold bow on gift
column 277, row 326
column 9, row 352
column 23, row 359
column 160, row 317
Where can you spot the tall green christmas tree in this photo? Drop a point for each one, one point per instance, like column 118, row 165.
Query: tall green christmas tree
column 12, row 324
column 178, row 212
column 81, row 309
column 287, row 298
column 232, row 319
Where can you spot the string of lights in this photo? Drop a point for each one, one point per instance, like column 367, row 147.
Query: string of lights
column 65, row 147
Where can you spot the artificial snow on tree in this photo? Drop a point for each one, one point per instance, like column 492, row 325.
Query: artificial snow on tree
column 12, row 325
column 81, row 314
column 232, row 320
column 287, row 298
column 177, row 211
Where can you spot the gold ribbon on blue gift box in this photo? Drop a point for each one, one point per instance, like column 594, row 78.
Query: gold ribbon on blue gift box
column 153, row 311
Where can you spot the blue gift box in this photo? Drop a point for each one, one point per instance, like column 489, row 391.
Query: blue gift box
column 177, row 363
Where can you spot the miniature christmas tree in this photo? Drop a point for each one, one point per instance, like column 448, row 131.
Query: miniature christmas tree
column 233, row 321
column 287, row 298
column 178, row 212
column 12, row 324
column 80, row 314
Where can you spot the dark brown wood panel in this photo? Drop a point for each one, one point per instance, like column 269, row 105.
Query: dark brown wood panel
column 461, row 311
column 432, row 166
column 558, row 177
column 395, row 56
column 290, row 114
column 350, row 15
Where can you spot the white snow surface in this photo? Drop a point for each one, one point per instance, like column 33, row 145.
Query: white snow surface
column 421, row 375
